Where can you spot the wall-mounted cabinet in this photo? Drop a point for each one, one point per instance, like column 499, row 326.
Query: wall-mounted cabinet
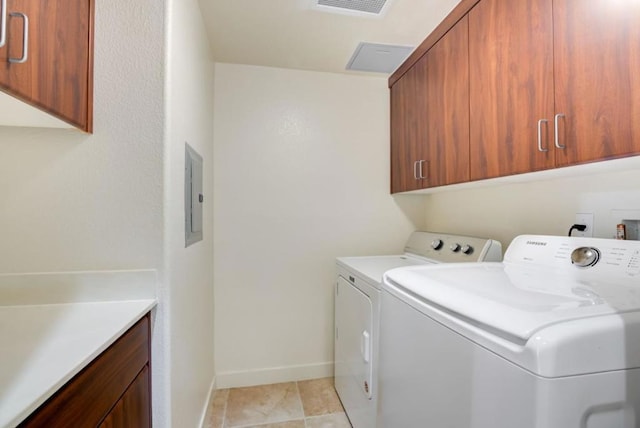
column 597, row 83
column 550, row 84
column 47, row 58
column 430, row 117
column 448, row 107
column 511, row 58
column 408, row 113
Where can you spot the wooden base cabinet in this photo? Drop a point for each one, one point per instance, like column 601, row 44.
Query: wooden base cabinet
column 114, row 390
column 47, row 60
column 132, row 410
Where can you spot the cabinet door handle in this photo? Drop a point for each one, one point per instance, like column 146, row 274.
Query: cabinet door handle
column 25, row 39
column 557, row 132
column 540, row 122
column 421, row 162
column 3, row 23
column 415, row 170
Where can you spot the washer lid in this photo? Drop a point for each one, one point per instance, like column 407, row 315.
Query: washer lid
column 513, row 301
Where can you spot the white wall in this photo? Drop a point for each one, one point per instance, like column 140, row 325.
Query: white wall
column 75, row 202
column 301, row 176
column 189, row 101
column 538, row 207
column 71, row 201
column 114, row 200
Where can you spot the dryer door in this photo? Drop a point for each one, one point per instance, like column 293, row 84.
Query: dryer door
column 353, row 345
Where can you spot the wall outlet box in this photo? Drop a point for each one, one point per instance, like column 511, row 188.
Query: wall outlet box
column 586, row 219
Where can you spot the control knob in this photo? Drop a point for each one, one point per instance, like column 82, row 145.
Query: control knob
column 436, row 244
column 585, row 256
column 455, row 247
column 467, row 249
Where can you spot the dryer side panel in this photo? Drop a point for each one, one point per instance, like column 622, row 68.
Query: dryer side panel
column 354, row 353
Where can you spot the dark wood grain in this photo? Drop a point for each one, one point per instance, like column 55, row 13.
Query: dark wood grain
column 597, row 79
column 133, row 409
column 17, row 77
column 58, row 76
column 408, row 132
column 447, row 98
column 447, row 23
column 87, row 399
column 511, row 86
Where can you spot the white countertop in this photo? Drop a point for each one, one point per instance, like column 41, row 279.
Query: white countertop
column 44, row 345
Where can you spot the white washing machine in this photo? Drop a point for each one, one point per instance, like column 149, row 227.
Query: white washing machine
column 550, row 338
column 357, row 303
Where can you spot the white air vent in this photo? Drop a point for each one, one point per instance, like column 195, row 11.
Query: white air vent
column 378, row 58
column 367, row 6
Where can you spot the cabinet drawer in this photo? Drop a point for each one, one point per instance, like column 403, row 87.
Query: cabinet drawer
column 133, row 408
column 88, row 398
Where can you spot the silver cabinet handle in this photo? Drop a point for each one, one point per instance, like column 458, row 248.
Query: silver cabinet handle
column 415, row 170
column 540, row 122
column 421, row 162
column 3, row 24
column 25, row 39
column 557, row 132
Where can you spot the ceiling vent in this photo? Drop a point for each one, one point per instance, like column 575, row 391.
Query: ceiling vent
column 366, row 6
column 378, row 58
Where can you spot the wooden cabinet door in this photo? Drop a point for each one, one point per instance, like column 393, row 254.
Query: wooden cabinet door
column 16, row 79
column 597, row 79
column 133, row 410
column 408, row 116
column 447, row 142
column 511, row 86
column 57, row 76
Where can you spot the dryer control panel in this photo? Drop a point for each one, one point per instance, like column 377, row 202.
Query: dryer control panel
column 447, row 248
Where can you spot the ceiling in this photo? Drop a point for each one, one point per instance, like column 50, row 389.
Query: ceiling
column 297, row 34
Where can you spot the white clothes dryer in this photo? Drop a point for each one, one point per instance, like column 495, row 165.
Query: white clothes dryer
column 549, row 338
column 357, row 306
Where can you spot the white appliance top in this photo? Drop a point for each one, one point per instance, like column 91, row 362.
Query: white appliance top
column 538, row 286
column 373, row 267
column 424, row 248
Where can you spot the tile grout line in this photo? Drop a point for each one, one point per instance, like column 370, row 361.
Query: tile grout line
column 304, row 414
column 224, row 409
column 305, row 418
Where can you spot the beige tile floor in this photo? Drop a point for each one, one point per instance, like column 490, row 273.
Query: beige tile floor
column 304, row 404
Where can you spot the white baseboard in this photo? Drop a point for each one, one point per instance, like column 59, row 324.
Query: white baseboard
column 212, row 390
column 273, row 375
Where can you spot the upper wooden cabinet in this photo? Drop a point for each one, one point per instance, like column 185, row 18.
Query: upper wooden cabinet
column 597, row 79
column 448, row 107
column 511, row 95
column 47, row 60
column 408, row 115
column 430, row 117
column 554, row 84
column 550, row 83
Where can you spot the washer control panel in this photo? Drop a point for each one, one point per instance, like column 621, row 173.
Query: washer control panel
column 603, row 256
column 585, row 256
